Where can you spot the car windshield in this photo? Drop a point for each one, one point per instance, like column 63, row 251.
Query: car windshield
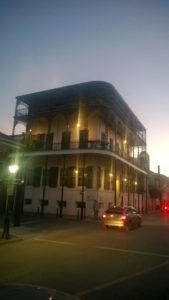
column 115, row 210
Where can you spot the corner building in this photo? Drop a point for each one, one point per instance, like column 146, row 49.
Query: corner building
column 82, row 143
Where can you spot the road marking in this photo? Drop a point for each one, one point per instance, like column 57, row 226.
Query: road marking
column 29, row 222
column 121, row 279
column 52, row 241
column 133, row 252
column 152, row 254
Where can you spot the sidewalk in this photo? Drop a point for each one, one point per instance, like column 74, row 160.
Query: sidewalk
column 30, row 224
column 12, row 238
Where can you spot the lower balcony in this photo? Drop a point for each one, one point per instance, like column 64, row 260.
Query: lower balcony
column 90, row 145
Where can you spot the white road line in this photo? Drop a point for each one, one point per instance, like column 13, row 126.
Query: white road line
column 152, row 254
column 121, row 279
column 29, row 222
column 133, row 252
column 52, row 241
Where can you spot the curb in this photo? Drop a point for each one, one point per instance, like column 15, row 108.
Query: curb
column 12, row 239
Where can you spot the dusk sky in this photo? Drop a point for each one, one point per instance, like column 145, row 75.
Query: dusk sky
column 51, row 43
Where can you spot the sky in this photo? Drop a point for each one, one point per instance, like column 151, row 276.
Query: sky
column 47, row 44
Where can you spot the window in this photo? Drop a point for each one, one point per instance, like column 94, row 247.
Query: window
column 49, row 141
column 107, row 179
column 131, row 210
column 121, row 183
column 80, row 204
column 80, row 177
column 40, row 142
column 71, row 177
column 140, row 179
column 53, row 177
column 103, row 140
column 29, row 177
column 85, row 177
column 89, row 177
column 83, row 141
column 98, row 178
column 131, row 185
column 37, row 177
column 28, row 201
column 111, row 144
column 63, row 177
column 125, row 184
column 117, row 148
column 65, row 144
column 115, row 210
column 61, row 203
column 44, row 202
column 45, row 176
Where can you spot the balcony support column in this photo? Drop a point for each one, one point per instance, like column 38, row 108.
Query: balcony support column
column 62, row 189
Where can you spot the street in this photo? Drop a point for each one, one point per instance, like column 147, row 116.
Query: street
column 84, row 259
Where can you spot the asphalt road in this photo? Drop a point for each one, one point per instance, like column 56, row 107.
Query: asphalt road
column 84, row 259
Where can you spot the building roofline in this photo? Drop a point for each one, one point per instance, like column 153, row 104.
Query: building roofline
column 91, row 91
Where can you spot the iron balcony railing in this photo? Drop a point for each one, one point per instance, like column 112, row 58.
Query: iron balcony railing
column 90, row 145
column 41, row 146
column 21, row 112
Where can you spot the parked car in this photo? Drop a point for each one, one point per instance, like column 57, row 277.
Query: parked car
column 122, row 217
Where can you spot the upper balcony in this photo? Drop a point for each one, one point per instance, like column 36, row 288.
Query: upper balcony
column 96, row 96
column 21, row 112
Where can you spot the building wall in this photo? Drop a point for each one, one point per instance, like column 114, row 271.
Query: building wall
column 112, row 149
column 105, row 196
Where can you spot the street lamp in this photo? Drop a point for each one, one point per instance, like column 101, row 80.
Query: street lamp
column 13, row 169
column 6, row 226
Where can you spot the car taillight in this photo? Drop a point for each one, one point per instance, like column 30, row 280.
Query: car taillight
column 123, row 217
column 104, row 216
column 166, row 207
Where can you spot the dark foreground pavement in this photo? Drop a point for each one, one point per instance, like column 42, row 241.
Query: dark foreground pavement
column 77, row 242
column 29, row 292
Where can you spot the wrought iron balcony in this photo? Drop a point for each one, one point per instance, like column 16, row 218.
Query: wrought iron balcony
column 21, row 112
column 36, row 145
